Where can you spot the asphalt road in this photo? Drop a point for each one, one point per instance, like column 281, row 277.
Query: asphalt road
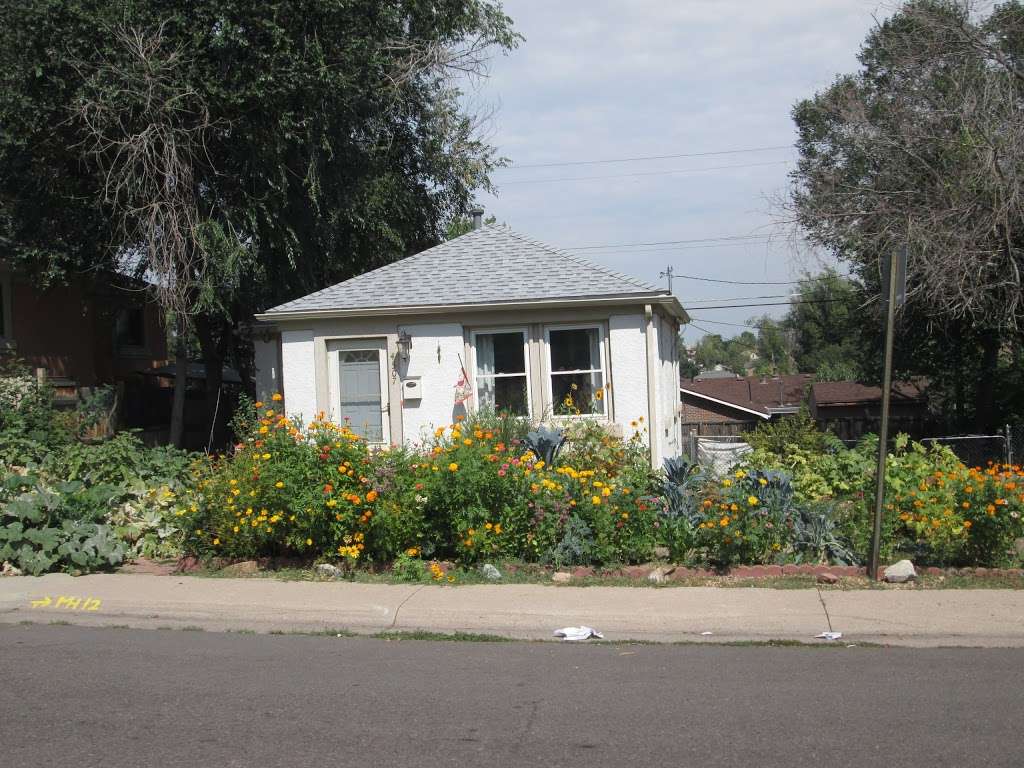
column 119, row 697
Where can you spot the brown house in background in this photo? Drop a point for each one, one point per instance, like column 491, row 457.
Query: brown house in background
column 850, row 409
column 84, row 334
column 719, row 406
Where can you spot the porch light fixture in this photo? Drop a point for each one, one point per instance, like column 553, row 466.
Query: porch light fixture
column 404, row 345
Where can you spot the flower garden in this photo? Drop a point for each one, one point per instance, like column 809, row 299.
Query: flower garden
column 491, row 488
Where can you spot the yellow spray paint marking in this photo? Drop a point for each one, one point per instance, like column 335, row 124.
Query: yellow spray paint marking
column 69, row 603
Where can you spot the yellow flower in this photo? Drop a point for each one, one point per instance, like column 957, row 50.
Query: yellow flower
column 309, row 542
column 279, row 484
column 453, row 467
column 258, row 404
column 412, row 551
column 752, row 501
column 596, row 500
column 467, row 442
column 599, row 395
column 762, row 481
column 216, row 542
column 266, row 456
column 264, row 430
column 726, row 483
column 276, row 397
column 488, row 526
column 606, row 491
column 724, row 521
column 497, row 527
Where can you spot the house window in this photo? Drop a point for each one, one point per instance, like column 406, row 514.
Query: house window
column 130, row 328
column 577, row 373
column 502, row 381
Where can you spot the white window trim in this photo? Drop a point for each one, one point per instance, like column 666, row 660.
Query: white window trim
column 602, row 335
column 526, row 364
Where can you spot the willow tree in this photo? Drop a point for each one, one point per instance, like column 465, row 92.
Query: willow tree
column 924, row 147
column 336, row 139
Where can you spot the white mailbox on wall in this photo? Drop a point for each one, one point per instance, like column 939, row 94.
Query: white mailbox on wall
column 412, row 388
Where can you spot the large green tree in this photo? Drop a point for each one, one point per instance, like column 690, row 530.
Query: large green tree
column 924, row 147
column 336, row 139
column 826, row 324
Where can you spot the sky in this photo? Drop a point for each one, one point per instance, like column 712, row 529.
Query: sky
column 601, row 80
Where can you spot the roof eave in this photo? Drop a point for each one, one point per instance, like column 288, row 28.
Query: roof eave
column 727, row 403
column 669, row 302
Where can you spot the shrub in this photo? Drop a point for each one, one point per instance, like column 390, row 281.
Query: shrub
column 746, row 518
column 43, row 527
column 798, row 432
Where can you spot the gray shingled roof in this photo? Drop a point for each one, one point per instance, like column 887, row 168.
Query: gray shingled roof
column 487, row 265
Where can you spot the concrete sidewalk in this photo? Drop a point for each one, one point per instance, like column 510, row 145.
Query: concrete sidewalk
column 975, row 618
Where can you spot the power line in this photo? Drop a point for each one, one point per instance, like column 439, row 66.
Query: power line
column 694, row 325
column 723, row 238
column 741, row 298
column 771, row 304
column 644, row 173
column 516, row 166
column 722, row 322
column 755, row 282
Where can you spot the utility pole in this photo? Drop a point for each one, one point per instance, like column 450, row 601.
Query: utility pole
column 668, row 273
column 895, row 267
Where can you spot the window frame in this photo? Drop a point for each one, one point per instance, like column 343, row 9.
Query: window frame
column 132, row 350
column 527, row 367
column 602, row 341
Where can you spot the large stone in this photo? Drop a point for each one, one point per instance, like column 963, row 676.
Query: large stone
column 897, row 573
column 561, row 577
column 490, row 572
column 660, row 575
column 327, row 570
column 244, row 568
column 828, row 578
column 661, row 553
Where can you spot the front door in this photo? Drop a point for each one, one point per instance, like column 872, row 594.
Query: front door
column 359, row 387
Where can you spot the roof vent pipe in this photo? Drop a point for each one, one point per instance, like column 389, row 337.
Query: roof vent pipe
column 478, row 217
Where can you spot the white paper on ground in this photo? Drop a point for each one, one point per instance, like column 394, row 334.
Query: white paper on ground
column 578, row 633
column 829, row 635
column 707, row 633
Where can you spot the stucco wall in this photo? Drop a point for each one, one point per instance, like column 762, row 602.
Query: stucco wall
column 434, row 357
column 628, row 369
column 667, row 391
column 298, row 373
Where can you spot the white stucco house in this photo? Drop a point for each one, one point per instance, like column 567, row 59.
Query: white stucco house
column 489, row 319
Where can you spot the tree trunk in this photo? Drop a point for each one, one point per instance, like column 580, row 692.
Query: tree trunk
column 177, row 436
column 211, row 345
column 985, row 388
